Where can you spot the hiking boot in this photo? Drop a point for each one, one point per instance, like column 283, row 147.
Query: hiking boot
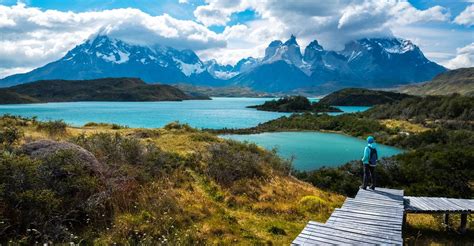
column 362, row 187
column 372, row 187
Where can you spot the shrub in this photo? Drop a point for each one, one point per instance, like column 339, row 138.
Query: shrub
column 230, row 162
column 179, row 126
column 44, row 200
column 9, row 136
column 52, row 128
column 313, row 204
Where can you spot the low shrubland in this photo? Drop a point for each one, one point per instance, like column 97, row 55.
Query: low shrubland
column 127, row 186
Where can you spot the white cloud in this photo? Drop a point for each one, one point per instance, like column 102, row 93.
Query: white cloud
column 332, row 23
column 218, row 12
column 466, row 17
column 183, row 1
column 464, row 57
column 31, row 37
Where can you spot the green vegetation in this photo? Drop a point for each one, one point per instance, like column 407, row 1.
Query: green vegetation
column 454, row 81
column 177, row 185
column 108, row 89
column 362, row 97
column 454, row 111
column 295, row 104
column 52, row 128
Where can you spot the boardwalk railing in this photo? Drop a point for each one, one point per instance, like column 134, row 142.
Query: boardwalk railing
column 377, row 217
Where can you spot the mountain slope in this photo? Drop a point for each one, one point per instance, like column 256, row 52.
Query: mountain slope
column 455, row 81
column 274, row 77
column 382, row 62
column 106, row 57
column 108, row 89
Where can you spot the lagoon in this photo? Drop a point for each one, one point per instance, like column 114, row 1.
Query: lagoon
column 220, row 112
column 313, row 150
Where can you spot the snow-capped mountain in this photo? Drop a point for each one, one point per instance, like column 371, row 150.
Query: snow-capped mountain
column 369, row 62
column 385, row 62
column 377, row 62
column 107, row 57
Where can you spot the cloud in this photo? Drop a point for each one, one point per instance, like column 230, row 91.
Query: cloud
column 466, row 17
column 464, row 57
column 332, row 23
column 31, row 37
column 218, row 12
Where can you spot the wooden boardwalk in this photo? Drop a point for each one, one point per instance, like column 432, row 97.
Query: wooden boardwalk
column 372, row 217
column 377, row 217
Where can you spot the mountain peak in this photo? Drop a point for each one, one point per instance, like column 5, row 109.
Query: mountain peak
column 291, row 41
column 314, row 45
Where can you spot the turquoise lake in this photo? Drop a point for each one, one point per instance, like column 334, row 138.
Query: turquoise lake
column 313, row 150
column 216, row 113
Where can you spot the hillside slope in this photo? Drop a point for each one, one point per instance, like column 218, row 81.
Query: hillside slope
column 174, row 185
column 455, row 81
column 108, row 89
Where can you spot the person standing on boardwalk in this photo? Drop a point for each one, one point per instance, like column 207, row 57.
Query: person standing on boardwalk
column 369, row 161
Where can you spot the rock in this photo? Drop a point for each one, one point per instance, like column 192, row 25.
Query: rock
column 41, row 149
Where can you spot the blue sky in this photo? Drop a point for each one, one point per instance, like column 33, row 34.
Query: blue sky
column 35, row 32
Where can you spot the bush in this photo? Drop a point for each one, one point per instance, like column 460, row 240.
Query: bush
column 179, row 126
column 9, row 136
column 47, row 199
column 313, row 204
column 228, row 163
column 52, row 128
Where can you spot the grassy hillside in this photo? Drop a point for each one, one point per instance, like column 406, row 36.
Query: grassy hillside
column 108, row 184
column 10, row 97
column 108, row 89
column 455, row 81
column 361, row 97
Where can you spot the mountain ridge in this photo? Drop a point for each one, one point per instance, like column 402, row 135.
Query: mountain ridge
column 368, row 62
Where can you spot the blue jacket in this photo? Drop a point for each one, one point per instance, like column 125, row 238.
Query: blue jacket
column 366, row 157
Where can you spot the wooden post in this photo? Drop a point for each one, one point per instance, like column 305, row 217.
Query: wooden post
column 404, row 220
column 462, row 227
column 446, row 220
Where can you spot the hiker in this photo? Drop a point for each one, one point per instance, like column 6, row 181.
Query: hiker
column 369, row 161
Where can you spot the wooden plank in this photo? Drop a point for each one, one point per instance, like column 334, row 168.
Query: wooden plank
column 373, row 208
column 378, row 229
column 369, row 203
column 350, row 237
column 357, row 231
column 380, row 223
column 375, row 213
column 324, row 237
column 390, row 212
column 359, row 216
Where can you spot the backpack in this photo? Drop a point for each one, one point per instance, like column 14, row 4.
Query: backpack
column 373, row 156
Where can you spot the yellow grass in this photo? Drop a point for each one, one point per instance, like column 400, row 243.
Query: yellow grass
column 404, row 126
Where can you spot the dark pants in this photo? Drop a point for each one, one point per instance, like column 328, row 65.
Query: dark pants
column 369, row 171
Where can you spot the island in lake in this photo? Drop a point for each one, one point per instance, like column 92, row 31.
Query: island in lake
column 107, row 89
column 295, row 104
column 362, row 97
